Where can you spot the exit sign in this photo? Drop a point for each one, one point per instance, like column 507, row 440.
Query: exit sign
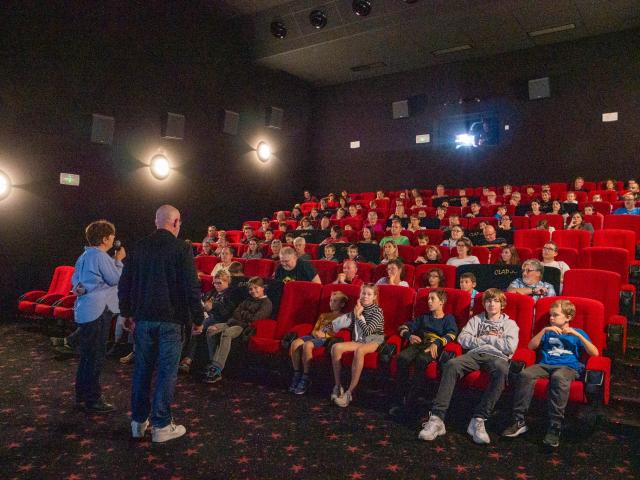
column 69, row 179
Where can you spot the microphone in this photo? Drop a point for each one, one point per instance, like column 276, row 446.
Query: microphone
column 116, row 245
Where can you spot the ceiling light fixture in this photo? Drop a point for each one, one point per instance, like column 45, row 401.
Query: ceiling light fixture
column 459, row 48
column 5, row 185
column 160, row 167
column 548, row 30
column 278, row 29
column 362, row 8
column 264, row 152
column 318, row 19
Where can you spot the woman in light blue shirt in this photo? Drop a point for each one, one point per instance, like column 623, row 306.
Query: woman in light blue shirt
column 95, row 282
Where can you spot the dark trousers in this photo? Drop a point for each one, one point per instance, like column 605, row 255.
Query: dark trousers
column 456, row 368
column 157, row 346
column 408, row 355
column 92, row 343
column 560, row 378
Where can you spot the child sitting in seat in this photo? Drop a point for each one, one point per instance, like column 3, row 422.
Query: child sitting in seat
column 220, row 335
column 427, row 336
column 434, row 278
column 395, row 274
column 560, row 350
column 352, row 254
column 366, row 323
column 329, row 253
column 301, row 350
column 432, row 254
column 468, row 283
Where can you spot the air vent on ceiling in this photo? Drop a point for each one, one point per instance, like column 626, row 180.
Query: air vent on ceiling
column 445, row 51
column 368, row 66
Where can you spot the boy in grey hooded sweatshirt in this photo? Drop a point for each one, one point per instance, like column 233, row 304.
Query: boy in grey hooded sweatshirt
column 490, row 340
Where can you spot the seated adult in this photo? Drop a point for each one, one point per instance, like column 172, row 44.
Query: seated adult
column 577, row 222
column 399, row 215
column 265, row 225
column 490, row 238
column 578, row 185
column 305, row 224
column 492, row 199
column 629, row 206
column 456, row 234
column 212, row 236
column 506, row 228
column 395, row 274
column 435, row 223
column 349, row 274
column 300, row 245
column 414, row 224
column 549, row 254
column 276, row 246
column 307, row 197
column 372, row 222
column 226, row 259
column 207, row 249
column 509, row 256
column 253, row 251
column 474, row 210
column 396, row 237
column 291, row 268
column 463, row 248
column 247, row 234
column 222, row 243
column 335, row 236
column 531, row 282
column 389, row 252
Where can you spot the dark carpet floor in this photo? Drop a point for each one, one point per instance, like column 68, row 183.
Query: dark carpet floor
column 249, row 427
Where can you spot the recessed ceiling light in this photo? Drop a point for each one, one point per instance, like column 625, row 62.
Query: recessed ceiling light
column 547, row 31
column 459, row 48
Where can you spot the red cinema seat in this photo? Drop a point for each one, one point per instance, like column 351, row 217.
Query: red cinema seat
column 483, row 254
column 617, row 238
column 59, row 287
column 554, row 220
column 603, row 208
column 566, row 255
column 259, row 267
column 445, row 253
column 531, row 238
column 577, row 239
column 623, row 222
column 354, row 222
column 605, row 287
column 420, row 275
column 407, row 253
column 590, row 318
column 520, row 222
column 255, row 224
column 306, row 207
column 63, row 308
column 365, row 271
column 381, row 271
column 234, row 236
column 596, row 221
column 397, row 305
column 299, row 305
column 474, row 221
column 436, row 236
column 519, row 309
column 327, row 270
column 205, row 263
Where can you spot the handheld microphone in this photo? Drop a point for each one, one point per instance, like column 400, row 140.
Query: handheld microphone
column 116, row 245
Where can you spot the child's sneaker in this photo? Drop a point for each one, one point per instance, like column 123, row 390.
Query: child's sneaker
column 139, row 428
column 478, row 432
column 212, row 375
column 169, row 432
column 552, row 438
column 294, row 381
column 127, row 359
column 337, row 392
column 344, row 400
column 303, row 385
column 432, row 429
column 518, row 427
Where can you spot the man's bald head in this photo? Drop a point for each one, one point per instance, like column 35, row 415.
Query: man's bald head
column 168, row 218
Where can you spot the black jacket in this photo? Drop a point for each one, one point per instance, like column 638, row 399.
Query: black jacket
column 159, row 282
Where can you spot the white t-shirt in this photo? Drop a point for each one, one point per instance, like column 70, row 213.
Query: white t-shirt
column 470, row 260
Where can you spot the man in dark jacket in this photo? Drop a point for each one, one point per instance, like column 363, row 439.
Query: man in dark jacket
column 159, row 291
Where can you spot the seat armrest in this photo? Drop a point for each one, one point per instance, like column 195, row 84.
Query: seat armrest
column 302, row 329
column 528, row 357
column 32, row 296
column 50, row 298
column 265, row 328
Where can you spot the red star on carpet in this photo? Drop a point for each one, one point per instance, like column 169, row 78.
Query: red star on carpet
column 193, row 434
column 28, row 429
column 159, row 466
column 461, row 469
column 85, row 442
column 243, row 460
column 353, row 449
column 240, row 440
column 621, row 469
column 333, row 436
column 296, row 468
column 188, row 410
column 393, row 468
column 554, row 461
column 316, row 409
column 25, row 468
column 276, row 435
column 522, row 476
column 383, row 443
column 175, row 478
column 150, row 458
column 13, row 445
column 278, row 416
column 190, row 452
column 87, row 456
column 73, row 476
column 583, row 454
column 439, row 449
column 370, row 427
column 71, row 436
column 356, row 475
column 290, row 448
column 495, row 456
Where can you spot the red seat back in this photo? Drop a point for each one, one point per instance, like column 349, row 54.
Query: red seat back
column 520, row 310
column 407, row 253
column 327, row 270
column 531, row 238
column 616, row 238
column 589, row 317
column 483, row 254
column 436, row 236
column 596, row 221
column 623, row 222
column 566, row 255
column 259, row 267
column 234, row 236
column 457, row 304
column 351, row 291
column 299, row 304
column 606, row 258
column 397, row 304
column 577, row 239
column 61, row 281
column 520, row 222
column 556, row 221
column 600, row 285
column 205, row 263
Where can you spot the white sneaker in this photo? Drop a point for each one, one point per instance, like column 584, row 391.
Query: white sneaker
column 478, row 432
column 139, row 428
column 169, row 432
column 344, row 400
column 338, row 391
column 432, row 429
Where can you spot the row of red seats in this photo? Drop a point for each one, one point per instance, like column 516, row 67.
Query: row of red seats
column 302, row 302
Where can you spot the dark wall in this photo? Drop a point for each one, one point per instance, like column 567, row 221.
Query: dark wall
column 555, row 138
column 134, row 64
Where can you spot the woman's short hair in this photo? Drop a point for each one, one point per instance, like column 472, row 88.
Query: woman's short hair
column 97, row 231
column 466, row 242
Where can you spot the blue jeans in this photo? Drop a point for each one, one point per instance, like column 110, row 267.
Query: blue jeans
column 157, row 345
column 92, row 343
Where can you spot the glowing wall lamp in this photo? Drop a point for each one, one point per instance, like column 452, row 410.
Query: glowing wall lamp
column 264, row 152
column 160, row 167
column 5, row 185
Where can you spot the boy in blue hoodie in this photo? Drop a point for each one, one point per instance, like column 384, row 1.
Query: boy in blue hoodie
column 490, row 340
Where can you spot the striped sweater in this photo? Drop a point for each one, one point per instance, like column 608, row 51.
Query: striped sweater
column 431, row 329
column 370, row 323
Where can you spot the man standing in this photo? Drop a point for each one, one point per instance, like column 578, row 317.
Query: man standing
column 159, row 291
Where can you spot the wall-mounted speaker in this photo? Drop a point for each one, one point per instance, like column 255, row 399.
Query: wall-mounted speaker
column 102, row 128
column 173, row 126
column 539, row 88
column 400, row 109
column 273, row 117
column 229, row 122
